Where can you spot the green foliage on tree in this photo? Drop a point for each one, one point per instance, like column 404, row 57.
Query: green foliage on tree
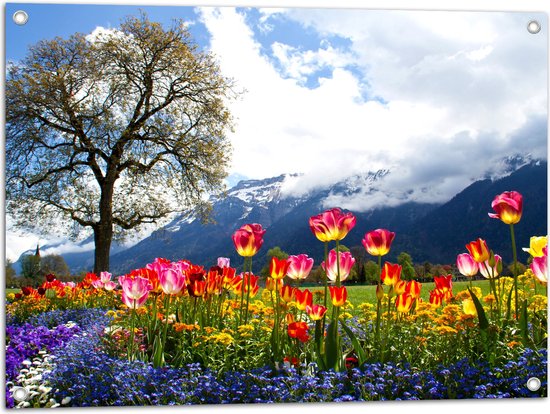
column 11, row 277
column 56, row 265
column 372, row 272
column 407, row 271
column 109, row 132
column 30, row 269
column 273, row 252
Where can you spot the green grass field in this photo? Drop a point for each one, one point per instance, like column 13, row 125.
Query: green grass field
column 361, row 294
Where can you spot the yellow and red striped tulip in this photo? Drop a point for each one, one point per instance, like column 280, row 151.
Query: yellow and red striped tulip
column 404, row 302
column 278, row 268
column 331, row 225
column 378, row 242
column 303, row 298
column 287, row 293
column 436, row 297
column 399, row 287
column 508, row 207
column 316, row 312
column 338, row 295
column 478, row 250
column 391, row 273
column 413, row 288
column 273, row 284
column 248, row 239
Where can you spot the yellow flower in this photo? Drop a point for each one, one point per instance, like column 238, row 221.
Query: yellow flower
column 444, row 329
column 222, row 338
column 536, row 244
column 345, row 315
column 538, row 303
column 245, row 329
column 490, row 298
column 468, row 307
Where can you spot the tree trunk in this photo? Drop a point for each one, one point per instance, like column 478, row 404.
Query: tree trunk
column 103, row 231
column 103, row 235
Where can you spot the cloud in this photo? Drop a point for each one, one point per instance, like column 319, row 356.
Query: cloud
column 424, row 94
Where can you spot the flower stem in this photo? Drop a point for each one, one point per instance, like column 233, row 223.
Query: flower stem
column 515, row 272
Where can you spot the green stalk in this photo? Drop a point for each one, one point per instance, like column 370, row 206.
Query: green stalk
column 515, row 271
column 132, row 325
column 248, row 293
column 326, row 284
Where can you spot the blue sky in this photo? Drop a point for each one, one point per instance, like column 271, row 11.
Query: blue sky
column 438, row 98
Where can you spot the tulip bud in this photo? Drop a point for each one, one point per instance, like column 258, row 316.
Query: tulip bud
column 379, row 292
column 492, row 261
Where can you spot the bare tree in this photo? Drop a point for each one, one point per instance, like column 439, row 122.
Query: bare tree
column 114, row 130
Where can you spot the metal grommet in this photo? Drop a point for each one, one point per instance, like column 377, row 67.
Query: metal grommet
column 533, row 384
column 20, row 17
column 533, row 27
column 19, row 393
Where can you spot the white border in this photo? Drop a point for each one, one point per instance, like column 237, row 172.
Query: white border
column 409, row 407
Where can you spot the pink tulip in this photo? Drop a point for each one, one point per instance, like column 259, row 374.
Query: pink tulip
column 109, row 285
column 171, row 279
column 508, row 207
column 134, row 303
column 223, row 262
column 378, row 242
column 466, row 264
column 331, row 224
column 134, row 288
column 539, row 266
column 105, row 277
column 248, row 239
column 299, row 266
column 346, row 263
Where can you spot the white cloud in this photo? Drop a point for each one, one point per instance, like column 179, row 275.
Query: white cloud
column 438, row 79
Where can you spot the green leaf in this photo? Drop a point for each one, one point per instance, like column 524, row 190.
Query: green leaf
column 359, row 351
column 158, row 354
column 523, row 323
column 482, row 318
column 332, row 353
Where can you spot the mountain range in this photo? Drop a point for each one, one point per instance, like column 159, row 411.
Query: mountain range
column 434, row 232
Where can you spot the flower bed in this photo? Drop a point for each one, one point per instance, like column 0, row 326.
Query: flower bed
column 178, row 333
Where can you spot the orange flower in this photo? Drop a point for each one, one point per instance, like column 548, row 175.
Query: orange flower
column 338, row 295
column 478, row 250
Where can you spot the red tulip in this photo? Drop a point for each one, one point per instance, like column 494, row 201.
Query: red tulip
column 444, row 283
column 316, row 312
column 278, row 268
column 331, row 224
column 346, row 262
column 508, row 207
column 248, row 239
column 299, row 266
column 378, row 242
column 303, row 299
column 391, row 273
column 298, row 330
column 436, row 297
column 338, row 295
column 466, row 264
column 478, row 250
